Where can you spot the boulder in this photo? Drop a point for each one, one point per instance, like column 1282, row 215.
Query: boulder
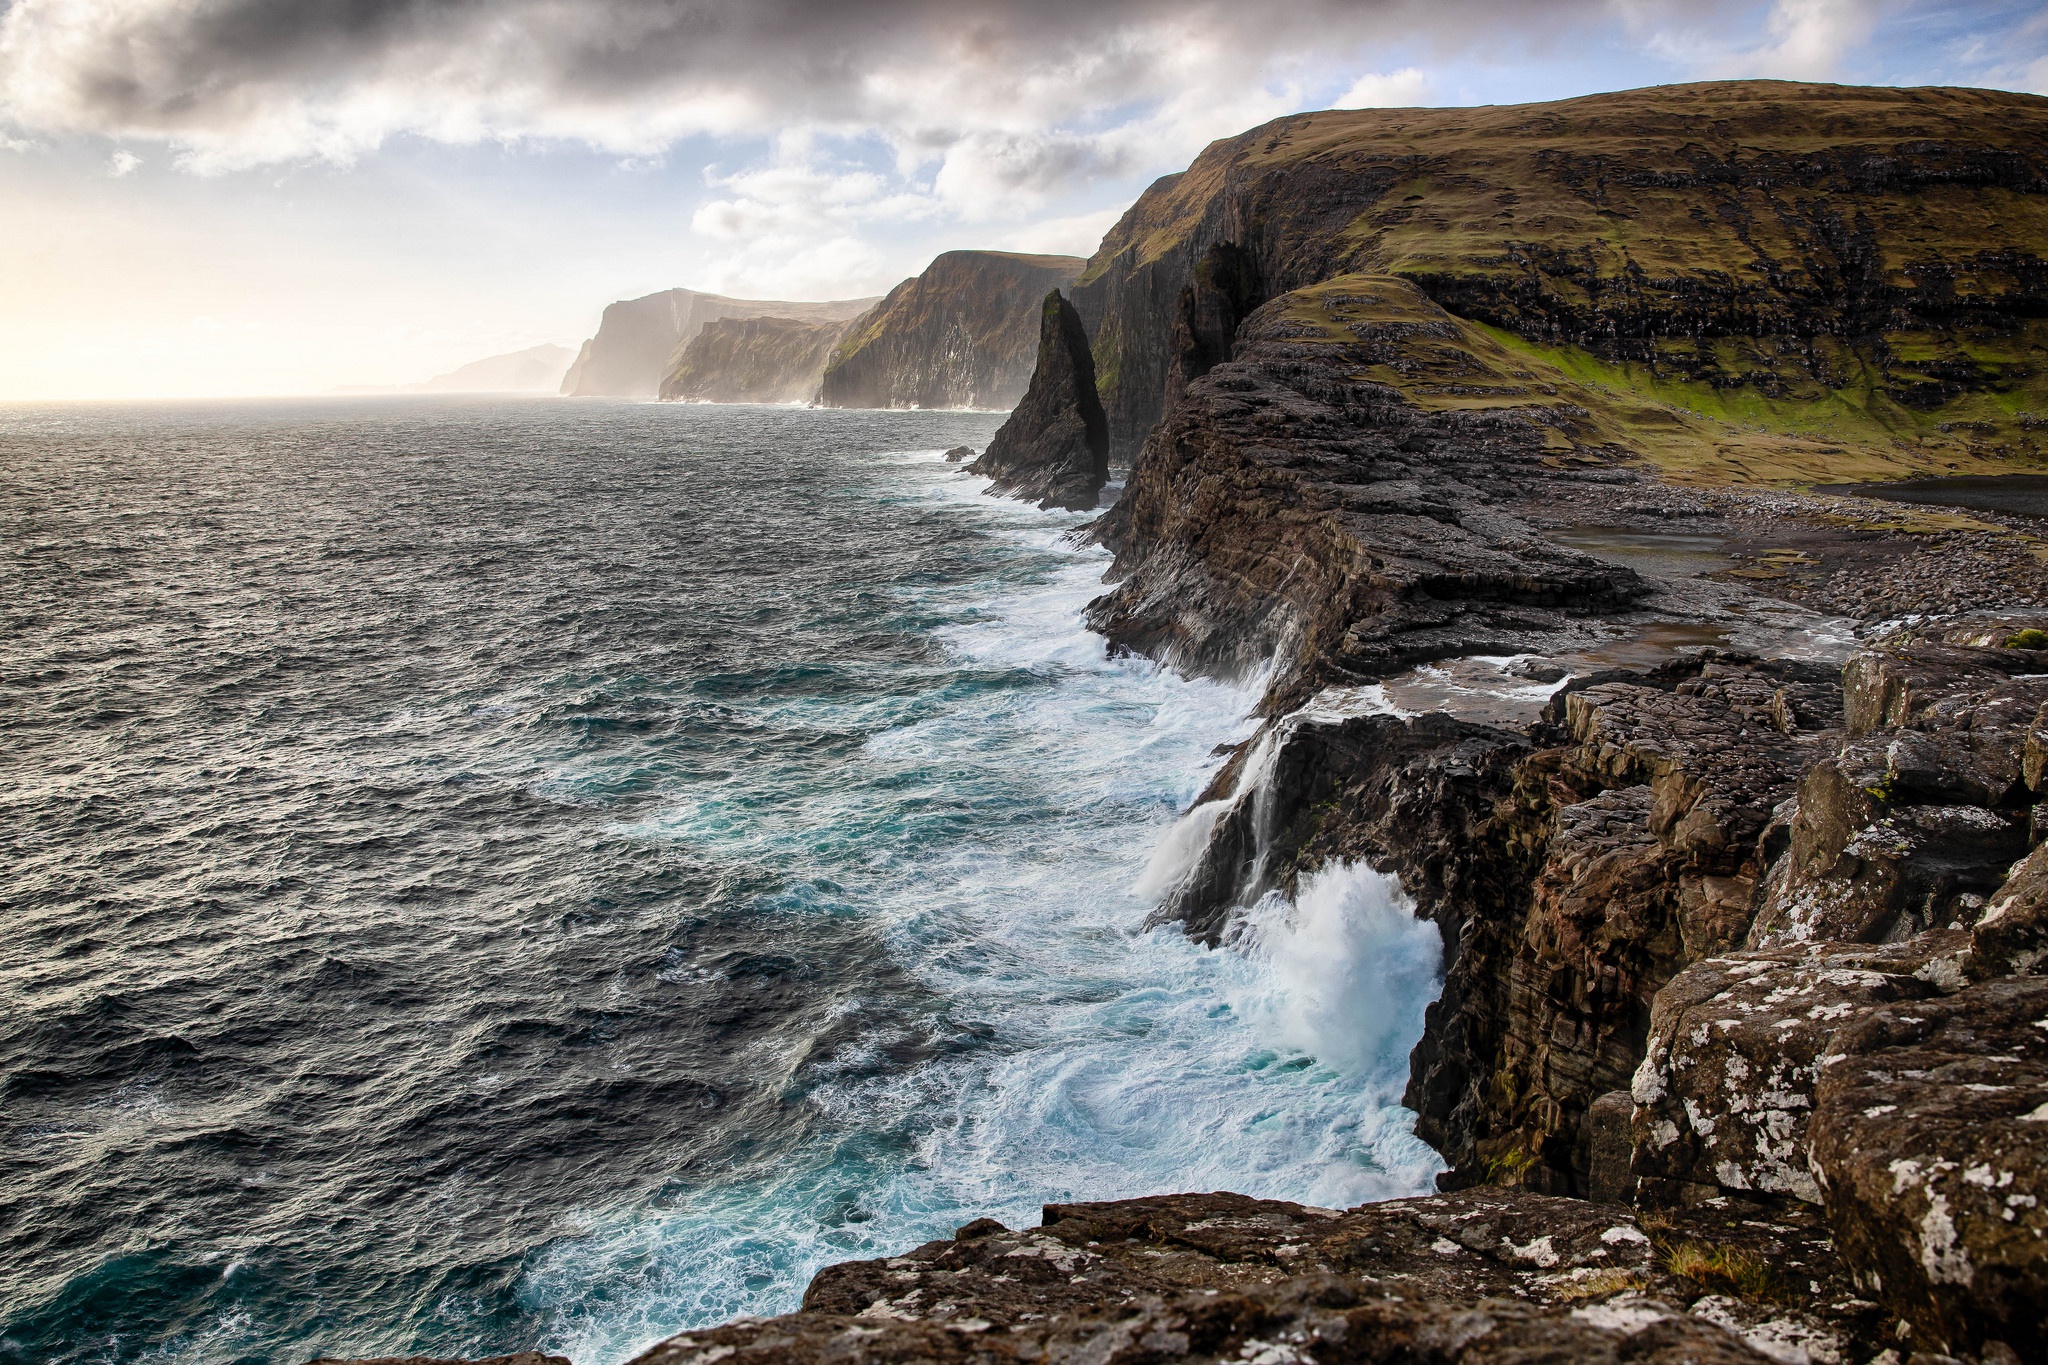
column 1724, row 1095
column 1930, row 1139
column 2012, row 937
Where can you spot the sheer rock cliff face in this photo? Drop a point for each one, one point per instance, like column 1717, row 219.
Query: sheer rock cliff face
column 1055, row 447
column 754, row 360
column 639, row 340
column 963, row 334
column 1763, row 241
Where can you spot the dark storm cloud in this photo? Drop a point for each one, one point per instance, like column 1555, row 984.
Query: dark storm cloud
column 275, row 71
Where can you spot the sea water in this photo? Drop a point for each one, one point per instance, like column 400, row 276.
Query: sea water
column 492, row 874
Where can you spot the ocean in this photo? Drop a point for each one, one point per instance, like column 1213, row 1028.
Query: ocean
column 490, row 874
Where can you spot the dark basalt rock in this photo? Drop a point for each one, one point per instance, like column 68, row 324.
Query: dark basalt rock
column 2012, row 937
column 1930, row 1134
column 1054, row 449
column 959, row 454
column 1484, row 1276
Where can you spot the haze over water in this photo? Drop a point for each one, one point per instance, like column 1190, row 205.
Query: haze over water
column 484, row 875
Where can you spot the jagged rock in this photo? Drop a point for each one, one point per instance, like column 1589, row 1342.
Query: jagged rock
column 1930, row 1135
column 960, row 335
column 2011, row 939
column 1295, row 493
column 1609, row 1179
column 1054, row 447
column 1484, row 1276
column 959, row 454
column 1725, row 1090
column 1916, row 819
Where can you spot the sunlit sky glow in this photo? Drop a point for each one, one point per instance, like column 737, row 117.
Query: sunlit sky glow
column 211, row 197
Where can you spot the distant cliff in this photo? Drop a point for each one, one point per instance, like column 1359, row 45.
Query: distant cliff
column 537, row 369
column 964, row 334
column 638, row 339
column 754, row 360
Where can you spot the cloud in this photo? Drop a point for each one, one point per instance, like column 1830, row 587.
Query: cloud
column 235, row 82
column 122, row 163
column 1386, row 90
column 1805, row 40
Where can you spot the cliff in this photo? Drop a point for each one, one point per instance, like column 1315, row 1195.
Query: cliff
column 1488, row 436
column 1055, row 447
column 753, row 360
column 537, row 369
column 961, row 335
column 1387, row 446
column 1835, row 260
column 638, row 339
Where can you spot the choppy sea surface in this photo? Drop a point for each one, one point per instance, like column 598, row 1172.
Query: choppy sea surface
column 491, row 874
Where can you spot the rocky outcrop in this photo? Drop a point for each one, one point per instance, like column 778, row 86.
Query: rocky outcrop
column 1930, row 1133
column 1310, row 502
column 753, row 360
column 1725, row 1093
column 638, row 340
column 1054, row 449
column 1483, row 1276
column 963, row 334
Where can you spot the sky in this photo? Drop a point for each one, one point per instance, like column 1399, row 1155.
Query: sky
column 227, row 197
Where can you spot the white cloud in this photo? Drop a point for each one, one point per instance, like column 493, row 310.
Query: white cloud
column 1387, row 90
column 122, row 163
column 1807, row 40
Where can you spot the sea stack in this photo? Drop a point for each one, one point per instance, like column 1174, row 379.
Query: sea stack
column 1055, row 447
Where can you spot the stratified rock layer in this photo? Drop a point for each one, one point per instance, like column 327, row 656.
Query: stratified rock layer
column 1761, row 237
column 1054, row 449
column 961, row 335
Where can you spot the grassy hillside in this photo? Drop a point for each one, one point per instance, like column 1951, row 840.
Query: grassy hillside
column 1832, row 265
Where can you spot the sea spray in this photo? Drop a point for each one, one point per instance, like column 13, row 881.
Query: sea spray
column 1349, row 970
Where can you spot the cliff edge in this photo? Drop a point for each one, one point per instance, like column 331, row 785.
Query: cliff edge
column 753, row 360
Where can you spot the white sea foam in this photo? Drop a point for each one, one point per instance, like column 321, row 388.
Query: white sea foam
column 1120, row 1063
column 1350, row 970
